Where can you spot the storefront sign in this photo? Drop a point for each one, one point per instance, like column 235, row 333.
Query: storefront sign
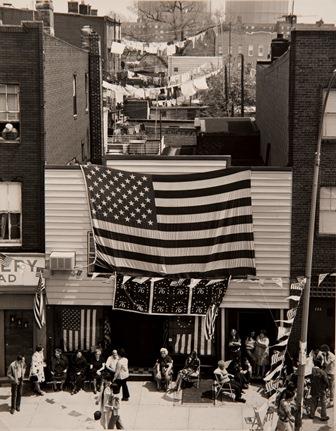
column 21, row 271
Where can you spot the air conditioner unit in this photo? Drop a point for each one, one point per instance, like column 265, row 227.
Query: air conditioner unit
column 62, row 261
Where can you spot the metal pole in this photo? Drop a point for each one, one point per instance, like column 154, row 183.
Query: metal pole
column 309, row 261
column 242, row 90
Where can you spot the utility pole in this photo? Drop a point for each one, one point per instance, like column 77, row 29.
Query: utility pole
column 242, row 90
column 309, row 262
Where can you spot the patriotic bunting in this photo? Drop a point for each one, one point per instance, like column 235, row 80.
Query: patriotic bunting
column 278, row 357
column 166, row 297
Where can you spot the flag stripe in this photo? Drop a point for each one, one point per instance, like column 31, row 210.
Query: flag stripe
column 180, row 239
column 178, row 178
column 39, row 305
column 156, row 250
column 182, row 220
column 199, row 209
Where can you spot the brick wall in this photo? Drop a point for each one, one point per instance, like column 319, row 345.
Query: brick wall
column 21, row 63
column 66, row 134
column 12, row 16
column 272, row 118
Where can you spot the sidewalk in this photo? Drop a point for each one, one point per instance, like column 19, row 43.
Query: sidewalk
column 147, row 409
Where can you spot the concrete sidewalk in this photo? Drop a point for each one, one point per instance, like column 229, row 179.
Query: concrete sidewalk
column 147, row 409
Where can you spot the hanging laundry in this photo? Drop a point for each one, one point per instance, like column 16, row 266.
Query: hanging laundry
column 188, row 89
column 117, row 48
column 200, row 83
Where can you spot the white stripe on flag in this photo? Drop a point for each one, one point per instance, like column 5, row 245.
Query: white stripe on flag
column 189, row 344
column 202, row 349
column 76, row 344
column 196, row 334
column 70, row 340
column 88, row 324
column 94, row 320
column 65, row 340
column 82, row 328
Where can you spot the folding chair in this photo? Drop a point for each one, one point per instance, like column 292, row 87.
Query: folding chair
column 195, row 379
column 220, row 388
column 262, row 415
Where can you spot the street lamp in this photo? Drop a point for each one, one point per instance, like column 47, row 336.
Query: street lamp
column 309, row 261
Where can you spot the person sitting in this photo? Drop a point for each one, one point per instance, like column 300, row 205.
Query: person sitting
column 111, row 363
column 224, row 378
column 78, row 372
column 190, row 370
column 96, row 367
column 59, row 368
column 239, row 374
column 163, row 369
column 234, row 344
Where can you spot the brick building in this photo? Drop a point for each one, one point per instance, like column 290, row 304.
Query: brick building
column 67, row 26
column 45, row 107
column 255, row 11
column 289, row 102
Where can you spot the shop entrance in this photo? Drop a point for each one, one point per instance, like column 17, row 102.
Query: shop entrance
column 251, row 319
column 18, row 335
column 140, row 335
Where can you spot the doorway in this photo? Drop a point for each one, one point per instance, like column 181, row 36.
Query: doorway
column 18, row 335
column 321, row 326
column 140, row 335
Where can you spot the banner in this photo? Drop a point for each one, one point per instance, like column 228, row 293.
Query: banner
column 278, row 357
column 166, row 297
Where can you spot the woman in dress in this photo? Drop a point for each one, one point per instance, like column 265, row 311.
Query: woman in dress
column 261, row 353
column 191, row 369
column 286, row 419
column 234, row 345
column 122, row 374
column 36, row 374
column 163, row 369
column 96, row 367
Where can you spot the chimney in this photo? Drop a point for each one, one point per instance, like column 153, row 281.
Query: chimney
column 45, row 13
column 278, row 46
column 72, row 6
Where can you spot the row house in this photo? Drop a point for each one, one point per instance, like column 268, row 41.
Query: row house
column 290, row 92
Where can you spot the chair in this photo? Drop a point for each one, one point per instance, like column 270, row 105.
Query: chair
column 195, row 377
column 220, row 388
column 262, row 415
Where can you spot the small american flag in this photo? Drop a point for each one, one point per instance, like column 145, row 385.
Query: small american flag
column 191, row 336
column 188, row 225
column 209, row 321
column 79, row 328
column 39, row 303
column 5, row 260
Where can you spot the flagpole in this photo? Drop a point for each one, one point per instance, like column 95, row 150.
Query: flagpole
column 309, row 261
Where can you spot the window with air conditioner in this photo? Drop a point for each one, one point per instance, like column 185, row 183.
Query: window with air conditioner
column 9, row 113
column 327, row 219
column 10, row 214
column 329, row 121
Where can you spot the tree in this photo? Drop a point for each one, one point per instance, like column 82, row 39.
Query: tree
column 221, row 106
column 177, row 18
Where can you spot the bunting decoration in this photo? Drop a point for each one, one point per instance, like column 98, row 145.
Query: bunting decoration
column 146, row 224
column 271, row 379
column 165, row 296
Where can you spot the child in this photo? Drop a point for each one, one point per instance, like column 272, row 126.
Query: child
column 114, row 405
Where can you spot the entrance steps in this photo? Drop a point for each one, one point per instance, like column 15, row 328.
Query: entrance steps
column 140, row 373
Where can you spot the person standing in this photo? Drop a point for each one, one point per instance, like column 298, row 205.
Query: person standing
column 114, row 405
column 328, row 364
column 15, row 373
column 261, row 353
column 111, row 363
column 319, row 386
column 122, row 374
column 36, row 374
column 234, row 345
column 286, row 420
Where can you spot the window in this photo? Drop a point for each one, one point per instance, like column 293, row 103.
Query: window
column 260, row 50
column 9, row 113
column 74, row 94
column 327, row 210
column 90, row 253
column 175, row 69
column 240, row 49
column 220, row 50
column 10, row 213
column 250, row 50
column 329, row 121
column 86, row 92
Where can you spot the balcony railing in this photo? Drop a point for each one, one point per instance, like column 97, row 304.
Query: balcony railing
column 133, row 144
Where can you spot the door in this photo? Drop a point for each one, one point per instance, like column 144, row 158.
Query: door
column 321, row 326
column 140, row 335
column 18, row 335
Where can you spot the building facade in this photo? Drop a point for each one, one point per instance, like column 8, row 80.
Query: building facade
column 255, row 11
column 297, row 81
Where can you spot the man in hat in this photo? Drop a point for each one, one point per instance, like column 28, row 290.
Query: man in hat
column 328, row 364
column 15, row 373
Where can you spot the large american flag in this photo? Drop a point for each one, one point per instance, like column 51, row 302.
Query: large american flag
column 196, row 225
column 78, row 328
